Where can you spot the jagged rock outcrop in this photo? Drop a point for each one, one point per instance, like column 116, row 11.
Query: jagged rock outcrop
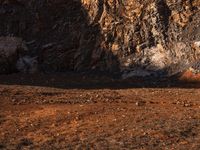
column 149, row 37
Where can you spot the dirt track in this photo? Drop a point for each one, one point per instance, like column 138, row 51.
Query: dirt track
column 68, row 111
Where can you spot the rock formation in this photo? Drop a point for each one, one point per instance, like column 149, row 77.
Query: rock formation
column 11, row 49
column 136, row 38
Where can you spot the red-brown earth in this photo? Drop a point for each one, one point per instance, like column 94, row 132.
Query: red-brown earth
column 78, row 112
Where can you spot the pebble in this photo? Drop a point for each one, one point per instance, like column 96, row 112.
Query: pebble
column 140, row 103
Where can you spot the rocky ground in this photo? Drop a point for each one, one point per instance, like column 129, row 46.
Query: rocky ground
column 80, row 112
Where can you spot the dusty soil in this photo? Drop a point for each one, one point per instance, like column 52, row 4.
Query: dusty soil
column 78, row 112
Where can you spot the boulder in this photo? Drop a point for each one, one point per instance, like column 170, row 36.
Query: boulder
column 11, row 49
column 27, row 64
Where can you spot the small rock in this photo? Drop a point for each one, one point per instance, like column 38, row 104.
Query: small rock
column 140, row 103
column 187, row 105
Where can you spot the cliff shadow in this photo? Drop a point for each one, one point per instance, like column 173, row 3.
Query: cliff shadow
column 71, row 80
column 60, row 33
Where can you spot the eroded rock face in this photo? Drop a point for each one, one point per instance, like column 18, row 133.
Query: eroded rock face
column 159, row 37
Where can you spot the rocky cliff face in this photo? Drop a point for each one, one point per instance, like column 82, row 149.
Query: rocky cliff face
column 159, row 37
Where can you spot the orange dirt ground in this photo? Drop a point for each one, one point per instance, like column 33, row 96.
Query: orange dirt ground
column 77, row 112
